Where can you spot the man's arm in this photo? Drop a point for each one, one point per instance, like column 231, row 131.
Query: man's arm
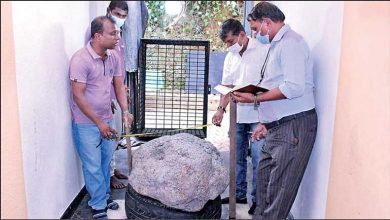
column 273, row 94
column 78, row 90
column 227, row 80
column 224, row 100
column 120, row 92
column 218, row 116
column 121, row 97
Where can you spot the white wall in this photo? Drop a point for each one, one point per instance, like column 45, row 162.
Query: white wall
column 320, row 24
column 46, row 36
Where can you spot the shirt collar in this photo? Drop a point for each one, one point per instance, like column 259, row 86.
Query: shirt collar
column 281, row 32
column 93, row 53
column 251, row 43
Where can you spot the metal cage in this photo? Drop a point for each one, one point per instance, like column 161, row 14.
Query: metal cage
column 172, row 87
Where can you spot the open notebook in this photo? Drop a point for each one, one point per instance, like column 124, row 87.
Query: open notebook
column 248, row 88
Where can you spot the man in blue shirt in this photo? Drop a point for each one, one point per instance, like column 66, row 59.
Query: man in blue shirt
column 288, row 119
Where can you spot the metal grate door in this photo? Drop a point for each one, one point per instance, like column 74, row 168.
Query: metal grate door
column 173, row 87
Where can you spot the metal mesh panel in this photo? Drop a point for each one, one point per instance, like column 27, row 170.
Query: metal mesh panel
column 173, row 85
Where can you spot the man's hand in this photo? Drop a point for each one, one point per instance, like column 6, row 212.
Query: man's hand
column 127, row 118
column 217, row 118
column 259, row 132
column 105, row 130
column 242, row 97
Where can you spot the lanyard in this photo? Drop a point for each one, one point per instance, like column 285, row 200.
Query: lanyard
column 264, row 66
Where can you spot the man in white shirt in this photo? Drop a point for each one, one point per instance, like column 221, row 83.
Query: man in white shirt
column 242, row 66
column 287, row 112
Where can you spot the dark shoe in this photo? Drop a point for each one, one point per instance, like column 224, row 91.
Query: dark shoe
column 111, row 204
column 99, row 214
column 240, row 201
column 252, row 209
column 225, row 200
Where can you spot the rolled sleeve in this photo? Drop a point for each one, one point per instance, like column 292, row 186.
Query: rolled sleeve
column 293, row 64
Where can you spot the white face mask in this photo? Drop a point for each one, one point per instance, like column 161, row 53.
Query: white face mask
column 119, row 21
column 235, row 48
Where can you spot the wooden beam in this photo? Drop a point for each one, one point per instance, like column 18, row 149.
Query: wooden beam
column 232, row 156
column 128, row 143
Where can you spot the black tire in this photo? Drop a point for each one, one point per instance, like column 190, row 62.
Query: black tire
column 142, row 207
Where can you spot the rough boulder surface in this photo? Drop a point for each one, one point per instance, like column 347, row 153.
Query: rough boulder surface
column 181, row 171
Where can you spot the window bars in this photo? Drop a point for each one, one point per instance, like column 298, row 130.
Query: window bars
column 172, row 87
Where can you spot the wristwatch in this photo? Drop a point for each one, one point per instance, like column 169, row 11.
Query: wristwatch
column 223, row 109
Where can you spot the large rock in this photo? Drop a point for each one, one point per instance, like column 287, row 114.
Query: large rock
column 181, row 171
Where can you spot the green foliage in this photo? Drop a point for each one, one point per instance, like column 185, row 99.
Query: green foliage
column 201, row 20
column 156, row 11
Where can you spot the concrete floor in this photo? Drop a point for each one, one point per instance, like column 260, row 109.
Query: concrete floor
column 216, row 135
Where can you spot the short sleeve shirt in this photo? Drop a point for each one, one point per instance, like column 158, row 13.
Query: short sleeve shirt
column 120, row 48
column 86, row 66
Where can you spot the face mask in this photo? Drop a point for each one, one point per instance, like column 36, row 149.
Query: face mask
column 263, row 39
column 235, row 48
column 119, row 21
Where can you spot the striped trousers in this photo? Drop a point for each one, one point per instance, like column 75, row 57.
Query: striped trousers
column 284, row 158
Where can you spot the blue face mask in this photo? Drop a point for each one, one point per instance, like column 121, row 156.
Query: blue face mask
column 263, row 39
column 119, row 21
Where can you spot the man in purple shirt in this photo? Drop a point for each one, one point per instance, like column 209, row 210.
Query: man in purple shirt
column 92, row 71
column 118, row 11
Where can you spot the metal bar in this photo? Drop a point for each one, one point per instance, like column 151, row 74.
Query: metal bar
column 196, row 75
column 158, row 63
column 173, row 86
column 232, row 159
column 206, row 85
column 189, row 77
column 166, row 49
column 175, row 42
column 142, row 86
column 181, row 75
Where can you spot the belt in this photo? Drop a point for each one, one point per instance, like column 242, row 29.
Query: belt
column 288, row 118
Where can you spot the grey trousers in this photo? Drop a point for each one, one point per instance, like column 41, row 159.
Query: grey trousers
column 284, row 158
